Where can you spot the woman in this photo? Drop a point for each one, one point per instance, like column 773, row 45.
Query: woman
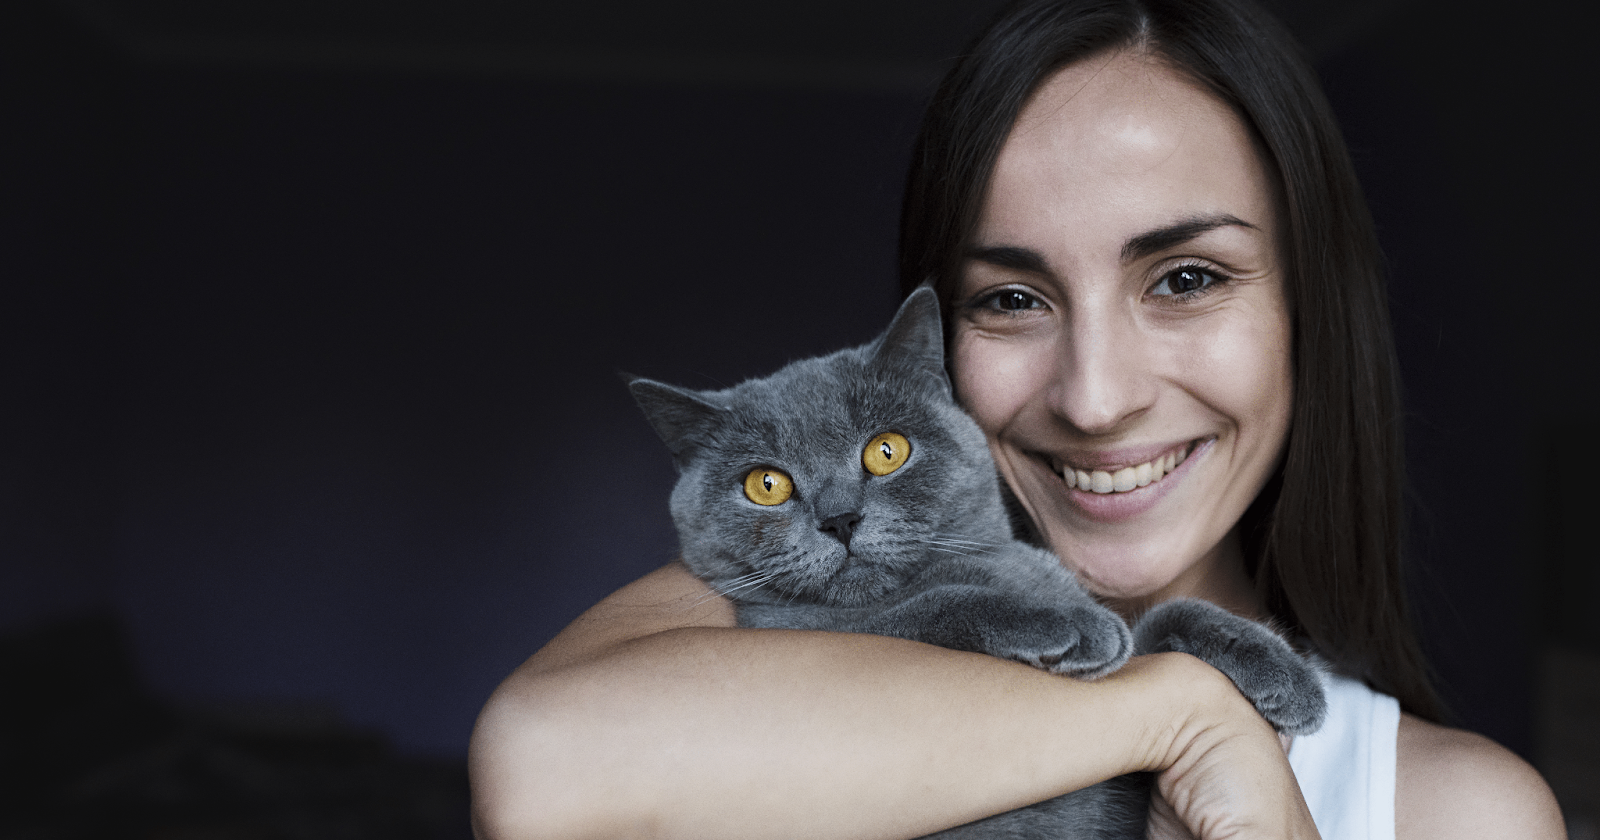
column 1149, row 243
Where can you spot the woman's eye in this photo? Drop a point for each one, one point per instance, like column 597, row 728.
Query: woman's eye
column 1011, row 300
column 1184, row 280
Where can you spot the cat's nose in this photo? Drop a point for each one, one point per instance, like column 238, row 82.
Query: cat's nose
column 841, row 526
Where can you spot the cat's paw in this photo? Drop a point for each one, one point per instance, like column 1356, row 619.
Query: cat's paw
column 1285, row 687
column 1085, row 640
column 1079, row 638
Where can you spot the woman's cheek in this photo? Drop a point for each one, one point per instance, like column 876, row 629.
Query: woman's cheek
column 1008, row 376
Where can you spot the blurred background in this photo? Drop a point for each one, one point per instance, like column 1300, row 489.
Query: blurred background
column 312, row 313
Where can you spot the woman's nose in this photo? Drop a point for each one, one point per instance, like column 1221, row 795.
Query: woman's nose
column 1102, row 378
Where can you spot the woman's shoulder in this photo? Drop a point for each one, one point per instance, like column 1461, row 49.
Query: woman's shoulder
column 1458, row 784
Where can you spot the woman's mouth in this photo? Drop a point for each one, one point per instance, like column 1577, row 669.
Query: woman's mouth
column 1125, row 478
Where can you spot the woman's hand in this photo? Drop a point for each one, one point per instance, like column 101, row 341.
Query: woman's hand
column 1230, row 778
column 1164, row 823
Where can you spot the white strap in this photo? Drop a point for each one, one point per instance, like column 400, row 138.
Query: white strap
column 1346, row 769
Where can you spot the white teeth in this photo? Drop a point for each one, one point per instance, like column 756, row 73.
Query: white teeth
column 1127, row 478
column 1124, row 480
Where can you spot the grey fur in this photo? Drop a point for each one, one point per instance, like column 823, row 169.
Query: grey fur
column 932, row 557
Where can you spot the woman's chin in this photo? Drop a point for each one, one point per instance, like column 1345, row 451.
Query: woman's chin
column 1156, row 566
column 1133, row 578
column 1130, row 582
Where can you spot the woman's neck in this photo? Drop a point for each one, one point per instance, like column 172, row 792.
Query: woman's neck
column 1218, row 577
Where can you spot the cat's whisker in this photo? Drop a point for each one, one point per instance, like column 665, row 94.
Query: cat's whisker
column 709, row 596
column 746, row 581
column 950, row 545
column 962, row 543
column 750, row 576
column 947, row 538
column 750, row 584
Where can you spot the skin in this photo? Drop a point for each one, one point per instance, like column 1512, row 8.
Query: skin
column 653, row 716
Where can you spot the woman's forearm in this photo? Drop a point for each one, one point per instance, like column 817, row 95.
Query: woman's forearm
column 710, row 731
column 704, row 733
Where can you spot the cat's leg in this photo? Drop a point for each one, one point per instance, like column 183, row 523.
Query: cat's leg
column 1077, row 637
column 1283, row 686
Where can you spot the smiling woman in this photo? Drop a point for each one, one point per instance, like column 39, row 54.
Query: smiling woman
column 1145, row 324
column 1166, row 314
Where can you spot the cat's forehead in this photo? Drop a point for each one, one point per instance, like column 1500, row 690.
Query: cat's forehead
column 826, row 404
column 833, row 383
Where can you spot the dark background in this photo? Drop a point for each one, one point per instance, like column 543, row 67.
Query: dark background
column 312, row 311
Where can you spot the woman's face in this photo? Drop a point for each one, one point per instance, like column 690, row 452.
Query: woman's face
column 1120, row 323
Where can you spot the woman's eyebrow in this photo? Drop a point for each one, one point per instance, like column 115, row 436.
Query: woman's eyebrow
column 1160, row 239
column 1137, row 247
column 1010, row 256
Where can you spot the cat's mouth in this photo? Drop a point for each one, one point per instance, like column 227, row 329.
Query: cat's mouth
column 1123, row 479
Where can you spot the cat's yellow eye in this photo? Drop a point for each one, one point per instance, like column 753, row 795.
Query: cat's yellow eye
column 886, row 453
column 767, row 486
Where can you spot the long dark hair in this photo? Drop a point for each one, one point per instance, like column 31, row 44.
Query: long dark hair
column 1323, row 540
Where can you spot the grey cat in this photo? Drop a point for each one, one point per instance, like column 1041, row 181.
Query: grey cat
column 849, row 492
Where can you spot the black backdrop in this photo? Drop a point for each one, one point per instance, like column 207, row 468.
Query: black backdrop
column 309, row 374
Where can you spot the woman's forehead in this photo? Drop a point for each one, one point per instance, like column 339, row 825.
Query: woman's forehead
column 1122, row 143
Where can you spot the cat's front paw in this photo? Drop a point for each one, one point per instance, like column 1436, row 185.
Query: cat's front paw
column 1086, row 641
column 1285, row 687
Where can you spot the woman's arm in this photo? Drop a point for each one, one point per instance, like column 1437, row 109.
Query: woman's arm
column 652, row 716
column 1455, row 784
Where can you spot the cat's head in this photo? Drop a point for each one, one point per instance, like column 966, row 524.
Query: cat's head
column 831, row 480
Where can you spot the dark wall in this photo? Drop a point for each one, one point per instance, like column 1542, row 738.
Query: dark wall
column 1466, row 126
column 310, row 375
column 333, row 356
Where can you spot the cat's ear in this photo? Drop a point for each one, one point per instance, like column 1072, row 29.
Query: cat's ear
column 680, row 417
column 914, row 342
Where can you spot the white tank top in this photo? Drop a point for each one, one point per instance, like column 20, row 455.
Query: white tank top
column 1346, row 768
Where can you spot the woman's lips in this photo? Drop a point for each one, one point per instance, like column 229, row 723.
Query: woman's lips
column 1112, row 504
column 1122, row 479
